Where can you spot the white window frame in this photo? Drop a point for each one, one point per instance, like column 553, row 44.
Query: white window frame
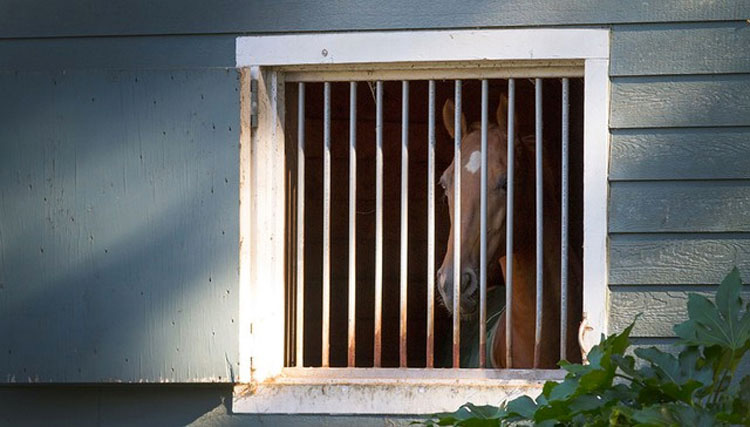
column 264, row 384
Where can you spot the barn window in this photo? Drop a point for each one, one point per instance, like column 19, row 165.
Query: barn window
column 371, row 165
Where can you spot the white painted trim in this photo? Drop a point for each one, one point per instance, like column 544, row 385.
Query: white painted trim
column 387, row 390
column 275, row 389
column 265, row 297
column 595, row 185
column 421, row 46
column 245, row 223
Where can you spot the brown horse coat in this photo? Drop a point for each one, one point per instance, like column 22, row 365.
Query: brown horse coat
column 524, row 254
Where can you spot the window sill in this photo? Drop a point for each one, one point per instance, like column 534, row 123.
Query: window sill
column 386, row 390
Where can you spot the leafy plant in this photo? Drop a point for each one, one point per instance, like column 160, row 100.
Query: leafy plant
column 652, row 388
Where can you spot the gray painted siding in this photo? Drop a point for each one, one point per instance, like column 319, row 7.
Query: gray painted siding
column 680, row 154
column 118, row 228
column 669, row 49
column 23, row 18
column 679, row 114
column 680, row 177
column 151, row 405
column 176, row 52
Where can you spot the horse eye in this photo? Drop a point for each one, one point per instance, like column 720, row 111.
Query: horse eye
column 502, row 182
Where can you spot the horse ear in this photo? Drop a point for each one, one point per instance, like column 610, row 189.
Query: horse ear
column 502, row 112
column 449, row 113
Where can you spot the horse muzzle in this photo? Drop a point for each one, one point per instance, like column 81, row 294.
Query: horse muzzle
column 469, row 287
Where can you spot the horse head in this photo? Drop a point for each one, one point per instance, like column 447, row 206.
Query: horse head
column 470, row 205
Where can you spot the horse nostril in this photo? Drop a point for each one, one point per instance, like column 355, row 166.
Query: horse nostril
column 469, row 281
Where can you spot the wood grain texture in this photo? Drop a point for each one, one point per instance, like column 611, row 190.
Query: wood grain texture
column 674, row 154
column 118, row 52
column 680, row 101
column 661, row 309
column 679, row 206
column 118, row 226
column 22, row 18
column 703, row 48
column 666, row 259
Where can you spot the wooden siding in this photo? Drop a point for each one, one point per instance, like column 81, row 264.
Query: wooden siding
column 669, row 49
column 680, row 114
column 23, row 18
column 680, row 168
column 118, row 226
column 681, row 101
column 680, row 154
column 176, row 52
column 679, row 206
column 676, row 259
column 661, row 308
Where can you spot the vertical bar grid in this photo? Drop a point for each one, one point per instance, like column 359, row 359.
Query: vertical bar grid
column 351, row 346
column 378, row 223
column 564, row 222
column 326, row 222
column 457, row 166
column 483, row 232
column 300, row 298
column 539, row 222
column 404, row 220
column 509, row 226
column 431, row 224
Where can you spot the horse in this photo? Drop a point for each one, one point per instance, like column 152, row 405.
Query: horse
column 524, row 353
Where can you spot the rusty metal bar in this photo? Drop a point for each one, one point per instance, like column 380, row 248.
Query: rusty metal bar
column 457, row 167
column 300, row 297
column 509, row 226
column 326, row 223
column 431, row 225
column 377, row 350
column 539, row 221
column 352, row 315
column 483, row 231
column 564, row 221
column 404, row 221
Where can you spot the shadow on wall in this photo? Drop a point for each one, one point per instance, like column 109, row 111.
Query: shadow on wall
column 118, row 226
column 150, row 405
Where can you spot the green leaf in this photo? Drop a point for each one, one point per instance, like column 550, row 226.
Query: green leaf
column 564, row 389
column 573, row 368
column 656, row 415
column 728, row 296
column 720, row 324
column 523, row 406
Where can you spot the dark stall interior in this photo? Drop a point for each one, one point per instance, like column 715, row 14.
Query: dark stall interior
column 365, row 219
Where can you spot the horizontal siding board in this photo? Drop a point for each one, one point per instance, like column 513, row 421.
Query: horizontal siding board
column 673, row 154
column 660, row 310
column 118, row 53
column 679, row 206
column 22, row 18
column 118, row 226
column 666, row 259
column 680, row 101
column 657, row 49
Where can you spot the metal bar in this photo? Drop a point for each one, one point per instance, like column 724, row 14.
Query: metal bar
column 509, row 225
column 539, row 222
column 300, row 225
column 457, row 166
column 483, row 232
column 326, row 222
column 351, row 347
column 378, row 223
column 564, row 222
column 431, row 225
column 404, row 220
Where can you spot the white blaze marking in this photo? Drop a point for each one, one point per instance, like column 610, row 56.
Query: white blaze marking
column 474, row 162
